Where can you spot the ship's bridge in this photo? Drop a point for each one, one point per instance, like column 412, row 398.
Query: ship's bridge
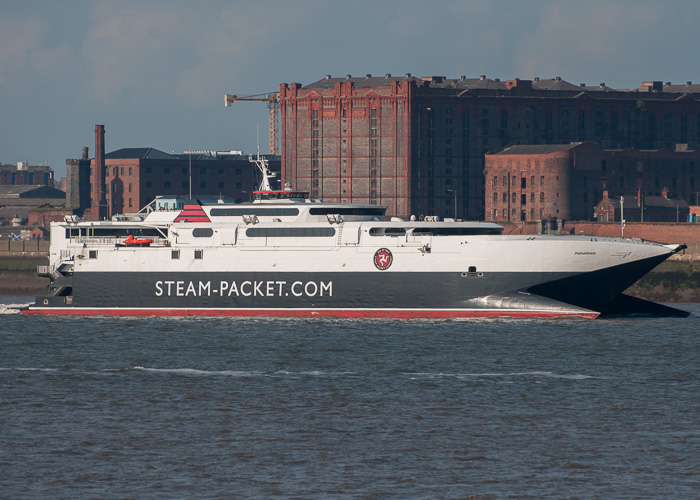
column 294, row 210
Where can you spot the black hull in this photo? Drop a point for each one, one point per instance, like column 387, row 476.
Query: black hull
column 546, row 294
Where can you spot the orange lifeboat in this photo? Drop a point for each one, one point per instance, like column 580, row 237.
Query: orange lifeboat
column 133, row 242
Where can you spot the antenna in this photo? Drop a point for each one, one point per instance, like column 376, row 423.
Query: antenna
column 190, row 152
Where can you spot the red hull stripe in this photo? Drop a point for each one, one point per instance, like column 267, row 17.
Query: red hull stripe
column 338, row 313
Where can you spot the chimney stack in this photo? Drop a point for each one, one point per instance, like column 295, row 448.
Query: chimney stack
column 99, row 208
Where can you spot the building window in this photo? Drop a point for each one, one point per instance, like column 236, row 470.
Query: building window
column 175, row 254
column 541, row 180
column 166, row 184
column 129, row 170
column 148, row 184
column 523, row 182
column 92, row 254
column 199, row 254
column 541, row 196
column 514, row 198
column 130, row 200
column 130, row 187
column 505, row 197
column 495, row 197
column 203, row 185
column 202, row 170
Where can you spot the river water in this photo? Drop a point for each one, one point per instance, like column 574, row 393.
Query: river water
column 326, row 408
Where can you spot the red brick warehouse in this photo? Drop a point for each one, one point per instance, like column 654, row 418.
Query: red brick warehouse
column 566, row 181
column 418, row 145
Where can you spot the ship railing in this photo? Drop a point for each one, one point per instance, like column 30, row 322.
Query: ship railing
column 48, row 272
column 114, row 240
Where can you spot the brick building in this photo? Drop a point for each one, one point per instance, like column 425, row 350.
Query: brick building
column 566, row 181
column 24, row 174
column 418, row 144
column 134, row 177
column 642, row 208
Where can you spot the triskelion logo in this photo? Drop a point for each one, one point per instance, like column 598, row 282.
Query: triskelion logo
column 383, row 259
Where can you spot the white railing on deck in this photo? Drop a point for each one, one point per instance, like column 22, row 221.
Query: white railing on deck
column 111, row 240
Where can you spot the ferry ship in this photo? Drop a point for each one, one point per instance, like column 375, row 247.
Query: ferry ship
column 284, row 254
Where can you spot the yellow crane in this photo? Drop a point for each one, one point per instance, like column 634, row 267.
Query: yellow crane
column 273, row 105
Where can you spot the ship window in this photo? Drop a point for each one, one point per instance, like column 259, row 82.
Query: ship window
column 455, row 231
column 202, row 232
column 286, row 232
column 92, row 254
column 198, row 254
column 175, row 254
column 373, row 212
column 387, row 231
column 118, row 232
column 238, row 212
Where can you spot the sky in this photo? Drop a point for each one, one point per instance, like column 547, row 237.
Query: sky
column 154, row 72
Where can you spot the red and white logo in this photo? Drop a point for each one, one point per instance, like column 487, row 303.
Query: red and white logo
column 383, row 259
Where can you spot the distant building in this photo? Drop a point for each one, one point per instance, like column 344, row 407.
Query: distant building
column 24, row 174
column 131, row 178
column 642, row 208
column 566, row 181
column 418, row 145
column 17, row 202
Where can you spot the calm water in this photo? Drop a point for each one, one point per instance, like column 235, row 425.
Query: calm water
column 323, row 408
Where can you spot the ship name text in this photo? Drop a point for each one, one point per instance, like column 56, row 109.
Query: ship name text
column 252, row 288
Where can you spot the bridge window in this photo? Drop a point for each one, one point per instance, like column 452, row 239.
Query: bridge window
column 387, row 231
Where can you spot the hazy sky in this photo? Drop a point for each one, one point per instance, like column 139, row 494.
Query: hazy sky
column 155, row 72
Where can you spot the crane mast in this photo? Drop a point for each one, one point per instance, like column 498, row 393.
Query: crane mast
column 273, row 106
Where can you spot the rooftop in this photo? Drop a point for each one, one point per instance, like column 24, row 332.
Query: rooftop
column 556, row 84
